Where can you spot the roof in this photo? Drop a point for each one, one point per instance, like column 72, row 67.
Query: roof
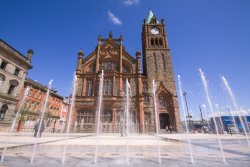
column 15, row 52
column 150, row 16
column 44, row 88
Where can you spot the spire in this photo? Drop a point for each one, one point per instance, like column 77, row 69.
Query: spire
column 150, row 16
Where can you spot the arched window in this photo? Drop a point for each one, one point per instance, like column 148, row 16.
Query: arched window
column 152, row 42
column 160, row 42
column 107, row 86
column 109, row 66
column 162, row 100
column 2, row 79
column 3, row 110
column 89, row 87
column 156, row 41
column 92, row 68
column 13, row 84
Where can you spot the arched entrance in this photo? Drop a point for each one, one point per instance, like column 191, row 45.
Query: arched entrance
column 164, row 120
column 165, row 109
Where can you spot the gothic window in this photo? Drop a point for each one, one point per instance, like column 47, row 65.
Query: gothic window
column 3, row 110
column 162, row 100
column 89, row 87
column 125, row 69
column 109, row 66
column 160, row 42
column 92, row 68
column 163, row 61
column 156, row 41
column 152, row 42
column 85, row 117
column 107, row 86
column 155, row 62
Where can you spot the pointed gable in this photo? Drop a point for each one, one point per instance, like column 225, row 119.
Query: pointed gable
column 162, row 88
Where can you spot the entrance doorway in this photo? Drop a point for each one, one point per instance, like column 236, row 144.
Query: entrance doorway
column 164, row 120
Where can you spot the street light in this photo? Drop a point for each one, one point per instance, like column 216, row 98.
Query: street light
column 188, row 116
column 201, row 115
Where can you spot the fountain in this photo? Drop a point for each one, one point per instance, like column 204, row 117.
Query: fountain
column 41, row 120
column 69, row 118
column 185, row 119
column 204, row 81
column 221, row 123
column 230, row 92
column 14, row 122
column 156, row 122
column 99, row 113
column 233, row 118
column 127, row 118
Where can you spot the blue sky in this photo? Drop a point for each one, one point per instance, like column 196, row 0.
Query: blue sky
column 209, row 34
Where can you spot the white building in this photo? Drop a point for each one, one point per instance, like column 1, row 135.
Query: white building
column 13, row 69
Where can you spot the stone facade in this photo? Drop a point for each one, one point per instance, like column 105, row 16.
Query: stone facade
column 118, row 66
column 13, row 69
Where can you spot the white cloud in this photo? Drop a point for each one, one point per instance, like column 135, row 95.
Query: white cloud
column 115, row 20
column 130, row 2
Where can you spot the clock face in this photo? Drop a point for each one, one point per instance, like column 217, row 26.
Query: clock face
column 154, row 31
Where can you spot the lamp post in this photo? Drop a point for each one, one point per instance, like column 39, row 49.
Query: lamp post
column 202, row 120
column 188, row 116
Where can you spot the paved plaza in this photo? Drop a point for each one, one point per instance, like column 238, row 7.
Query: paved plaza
column 113, row 150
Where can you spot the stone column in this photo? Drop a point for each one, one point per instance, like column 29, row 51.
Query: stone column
column 113, row 88
column 84, row 87
column 120, row 76
column 79, row 62
column 97, row 64
column 140, row 98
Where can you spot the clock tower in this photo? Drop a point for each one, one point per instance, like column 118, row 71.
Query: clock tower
column 157, row 65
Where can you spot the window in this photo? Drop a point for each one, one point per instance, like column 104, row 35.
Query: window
column 3, row 65
column 163, row 61
column 2, row 78
column 162, row 100
column 152, row 42
column 89, row 87
column 160, row 42
column 11, row 88
column 156, row 42
column 107, row 86
column 109, row 66
column 17, row 71
column 13, row 84
column 3, row 110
